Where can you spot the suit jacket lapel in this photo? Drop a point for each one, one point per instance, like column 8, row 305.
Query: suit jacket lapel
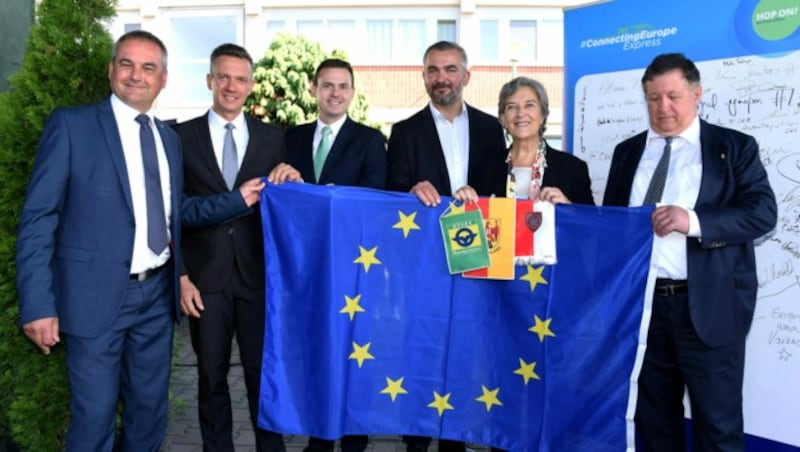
column 204, row 150
column 175, row 162
column 714, row 155
column 476, row 170
column 629, row 167
column 250, row 153
column 108, row 124
column 432, row 136
column 340, row 145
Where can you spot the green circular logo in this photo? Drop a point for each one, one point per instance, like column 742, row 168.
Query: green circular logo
column 776, row 19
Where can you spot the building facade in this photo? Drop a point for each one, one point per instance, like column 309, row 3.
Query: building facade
column 384, row 39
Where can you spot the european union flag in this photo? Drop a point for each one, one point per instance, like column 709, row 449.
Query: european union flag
column 368, row 333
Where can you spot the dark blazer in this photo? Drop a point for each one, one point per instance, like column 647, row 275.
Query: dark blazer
column 415, row 154
column 209, row 253
column 357, row 157
column 77, row 226
column 570, row 174
column 735, row 206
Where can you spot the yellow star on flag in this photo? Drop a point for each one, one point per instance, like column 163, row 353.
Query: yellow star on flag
column 406, row 223
column 526, row 370
column 441, row 403
column 534, row 276
column 352, row 306
column 541, row 327
column 361, row 353
column 394, row 387
column 489, row 398
column 455, row 209
column 367, row 257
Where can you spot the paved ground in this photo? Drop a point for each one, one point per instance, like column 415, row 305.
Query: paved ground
column 183, row 432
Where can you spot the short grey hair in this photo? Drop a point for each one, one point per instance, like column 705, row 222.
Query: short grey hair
column 513, row 86
column 443, row 46
column 141, row 35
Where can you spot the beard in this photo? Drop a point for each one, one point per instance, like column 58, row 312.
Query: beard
column 448, row 98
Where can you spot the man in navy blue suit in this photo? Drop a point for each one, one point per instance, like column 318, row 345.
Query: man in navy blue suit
column 356, row 155
column 96, row 260
column 716, row 200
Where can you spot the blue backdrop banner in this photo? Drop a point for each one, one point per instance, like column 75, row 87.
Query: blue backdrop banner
column 368, row 333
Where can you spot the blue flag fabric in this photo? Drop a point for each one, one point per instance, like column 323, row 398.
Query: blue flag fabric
column 368, row 333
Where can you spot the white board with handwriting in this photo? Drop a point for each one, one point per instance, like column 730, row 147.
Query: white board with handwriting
column 759, row 96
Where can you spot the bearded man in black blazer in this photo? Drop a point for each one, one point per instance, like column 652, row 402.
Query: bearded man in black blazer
column 447, row 148
column 222, row 284
column 716, row 200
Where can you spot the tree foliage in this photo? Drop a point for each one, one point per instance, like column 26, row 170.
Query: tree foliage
column 66, row 63
column 283, row 78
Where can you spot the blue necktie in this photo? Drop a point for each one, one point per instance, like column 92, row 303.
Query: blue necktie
column 157, row 238
column 322, row 151
column 230, row 158
column 659, row 180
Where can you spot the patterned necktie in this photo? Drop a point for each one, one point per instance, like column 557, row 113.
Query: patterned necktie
column 230, row 158
column 157, row 238
column 322, row 151
column 659, row 180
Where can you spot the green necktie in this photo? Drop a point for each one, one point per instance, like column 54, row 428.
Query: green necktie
column 322, row 151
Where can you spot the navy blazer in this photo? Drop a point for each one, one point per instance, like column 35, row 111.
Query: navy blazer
column 77, row 227
column 735, row 206
column 357, row 157
column 416, row 155
column 210, row 253
column 569, row 174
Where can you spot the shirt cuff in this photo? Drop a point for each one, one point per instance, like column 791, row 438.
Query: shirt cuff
column 694, row 225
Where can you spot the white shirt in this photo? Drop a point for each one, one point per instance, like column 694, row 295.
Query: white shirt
column 143, row 258
column 454, row 138
column 682, row 188
column 522, row 181
column 241, row 136
column 335, row 126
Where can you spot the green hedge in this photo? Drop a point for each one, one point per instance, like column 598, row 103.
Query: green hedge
column 65, row 63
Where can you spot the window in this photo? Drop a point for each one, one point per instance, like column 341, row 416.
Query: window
column 379, row 40
column 311, row 29
column 411, row 42
column 446, row 30
column 523, row 40
column 489, row 41
column 273, row 28
column 341, row 35
column 192, row 37
column 551, row 32
column 132, row 27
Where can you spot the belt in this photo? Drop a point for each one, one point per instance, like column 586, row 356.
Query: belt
column 669, row 287
column 149, row 273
